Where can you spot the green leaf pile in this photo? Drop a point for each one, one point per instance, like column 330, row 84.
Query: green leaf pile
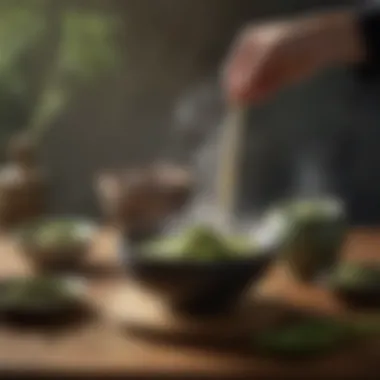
column 314, row 337
column 199, row 243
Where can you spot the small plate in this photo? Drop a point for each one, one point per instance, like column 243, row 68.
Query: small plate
column 41, row 299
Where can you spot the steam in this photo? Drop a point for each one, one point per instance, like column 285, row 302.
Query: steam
column 197, row 116
column 310, row 178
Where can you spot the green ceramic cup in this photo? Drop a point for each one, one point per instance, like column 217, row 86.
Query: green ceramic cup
column 312, row 234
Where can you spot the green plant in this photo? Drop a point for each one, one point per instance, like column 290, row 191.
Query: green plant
column 49, row 51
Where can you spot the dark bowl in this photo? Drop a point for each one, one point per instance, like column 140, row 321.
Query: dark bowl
column 359, row 298
column 197, row 288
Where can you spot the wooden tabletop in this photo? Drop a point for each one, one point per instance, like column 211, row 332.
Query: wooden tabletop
column 100, row 348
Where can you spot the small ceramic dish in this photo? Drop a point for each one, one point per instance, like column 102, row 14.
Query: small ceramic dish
column 57, row 243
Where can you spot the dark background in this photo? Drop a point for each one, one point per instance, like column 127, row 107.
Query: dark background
column 309, row 139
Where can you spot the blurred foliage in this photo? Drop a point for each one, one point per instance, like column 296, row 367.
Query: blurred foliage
column 48, row 51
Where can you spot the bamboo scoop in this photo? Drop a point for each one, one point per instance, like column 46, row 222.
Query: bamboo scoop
column 229, row 161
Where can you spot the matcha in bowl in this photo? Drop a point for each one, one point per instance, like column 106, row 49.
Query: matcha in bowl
column 200, row 270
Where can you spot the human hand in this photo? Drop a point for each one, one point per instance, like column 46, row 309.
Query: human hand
column 267, row 57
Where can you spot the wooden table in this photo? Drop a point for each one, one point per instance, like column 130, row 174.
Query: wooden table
column 99, row 348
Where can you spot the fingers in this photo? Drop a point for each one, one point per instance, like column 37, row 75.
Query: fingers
column 238, row 71
column 250, row 72
column 270, row 57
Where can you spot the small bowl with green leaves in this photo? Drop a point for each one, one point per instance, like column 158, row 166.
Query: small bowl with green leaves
column 41, row 299
column 57, row 243
column 358, row 284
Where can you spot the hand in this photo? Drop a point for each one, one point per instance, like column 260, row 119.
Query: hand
column 268, row 57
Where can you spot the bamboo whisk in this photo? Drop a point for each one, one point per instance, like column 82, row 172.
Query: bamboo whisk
column 229, row 160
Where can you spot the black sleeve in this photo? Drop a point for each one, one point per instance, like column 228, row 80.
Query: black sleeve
column 369, row 24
